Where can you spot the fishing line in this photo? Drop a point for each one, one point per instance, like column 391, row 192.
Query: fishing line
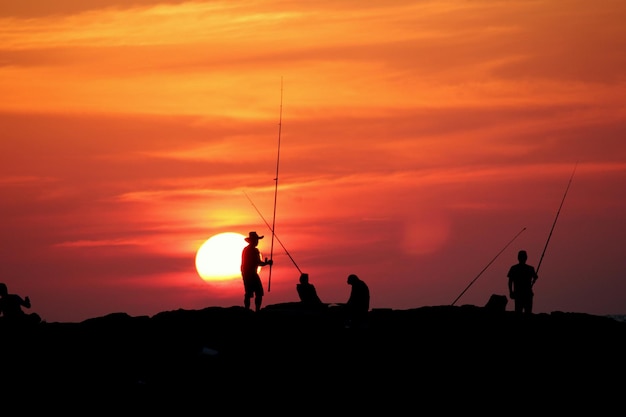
column 270, row 227
column 555, row 219
column 280, row 124
column 470, row 284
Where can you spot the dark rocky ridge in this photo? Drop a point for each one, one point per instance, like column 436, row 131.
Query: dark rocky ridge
column 285, row 359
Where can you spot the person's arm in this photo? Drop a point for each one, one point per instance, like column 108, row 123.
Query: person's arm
column 351, row 299
column 262, row 262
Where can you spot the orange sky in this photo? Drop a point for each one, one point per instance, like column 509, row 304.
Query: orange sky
column 417, row 139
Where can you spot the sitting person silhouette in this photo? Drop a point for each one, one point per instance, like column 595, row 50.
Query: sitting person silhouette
column 358, row 304
column 307, row 292
column 11, row 307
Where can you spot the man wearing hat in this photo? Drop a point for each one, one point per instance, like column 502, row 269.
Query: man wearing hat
column 250, row 263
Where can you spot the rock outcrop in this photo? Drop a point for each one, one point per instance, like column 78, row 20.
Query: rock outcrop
column 287, row 359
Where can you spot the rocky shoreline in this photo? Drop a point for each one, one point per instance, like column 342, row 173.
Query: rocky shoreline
column 450, row 358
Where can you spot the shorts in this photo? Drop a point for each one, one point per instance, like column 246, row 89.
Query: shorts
column 253, row 286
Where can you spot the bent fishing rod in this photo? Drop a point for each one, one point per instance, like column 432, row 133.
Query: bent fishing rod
column 270, row 227
column 481, row 272
column 555, row 219
column 280, row 125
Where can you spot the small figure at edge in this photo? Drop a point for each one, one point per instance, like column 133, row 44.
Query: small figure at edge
column 522, row 277
column 250, row 262
column 358, row 304
column 11, row 307
column 307, row 292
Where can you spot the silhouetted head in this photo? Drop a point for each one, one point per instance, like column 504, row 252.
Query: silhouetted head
column 3, row 289
column 352, row 279
column 522, row 256
column 304, row 278
column 253, row 237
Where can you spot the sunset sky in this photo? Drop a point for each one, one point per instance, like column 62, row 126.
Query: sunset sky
column 417, row 139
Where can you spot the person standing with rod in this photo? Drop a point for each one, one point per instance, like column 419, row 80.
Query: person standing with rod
column 250, row 263
column 522, row 277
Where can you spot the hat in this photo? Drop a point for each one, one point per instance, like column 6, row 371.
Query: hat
column 253, row 236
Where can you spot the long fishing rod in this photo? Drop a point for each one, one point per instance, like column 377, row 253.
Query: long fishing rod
column 481, row 272
column 270, row 227
column 280, row 125
column 555, row 219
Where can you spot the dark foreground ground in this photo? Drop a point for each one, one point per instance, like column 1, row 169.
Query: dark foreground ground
column 440, row 360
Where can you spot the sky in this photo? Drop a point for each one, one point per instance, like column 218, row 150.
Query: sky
column 416, row 144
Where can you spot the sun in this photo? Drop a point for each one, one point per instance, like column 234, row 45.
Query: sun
column 219, row 258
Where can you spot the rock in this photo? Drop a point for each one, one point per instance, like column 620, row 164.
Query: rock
column 285, row 358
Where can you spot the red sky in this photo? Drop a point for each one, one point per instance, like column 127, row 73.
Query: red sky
column 418, row 138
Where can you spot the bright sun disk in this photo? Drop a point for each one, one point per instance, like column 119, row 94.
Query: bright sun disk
column 219, row 258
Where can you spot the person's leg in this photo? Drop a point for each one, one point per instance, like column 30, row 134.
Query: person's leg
column 258, row 300
column 246, row 301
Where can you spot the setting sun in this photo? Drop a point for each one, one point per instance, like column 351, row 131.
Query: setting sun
column 219, row 258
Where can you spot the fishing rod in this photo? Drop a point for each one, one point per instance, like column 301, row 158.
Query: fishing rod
column 280, row 124
column 555, row 219
column 481, row 272
column 270, row 227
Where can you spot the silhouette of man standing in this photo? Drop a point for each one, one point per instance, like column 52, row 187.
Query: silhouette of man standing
column 250, row 262
column 522, row 277
column 358, row 304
